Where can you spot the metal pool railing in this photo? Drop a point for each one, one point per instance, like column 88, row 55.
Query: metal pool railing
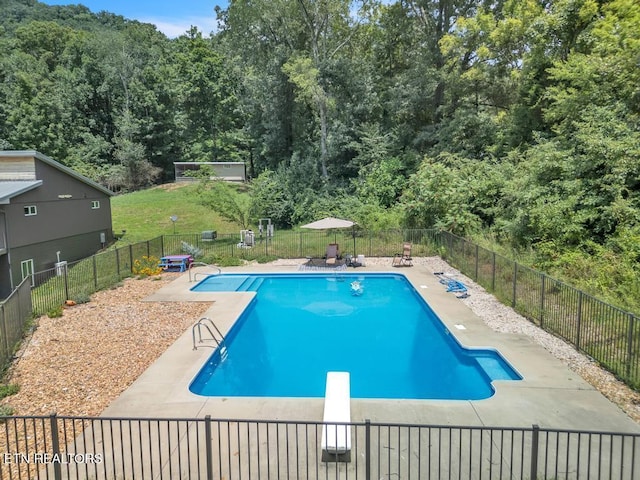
column 206, row 448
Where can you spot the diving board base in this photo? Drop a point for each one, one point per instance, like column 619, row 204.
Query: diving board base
column 336, row 431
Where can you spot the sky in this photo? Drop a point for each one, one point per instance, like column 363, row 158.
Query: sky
column 172, row 17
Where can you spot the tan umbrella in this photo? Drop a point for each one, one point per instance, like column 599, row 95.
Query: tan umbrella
column 330, row 223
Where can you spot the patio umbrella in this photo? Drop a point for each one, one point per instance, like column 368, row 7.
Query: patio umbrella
column 330, row 223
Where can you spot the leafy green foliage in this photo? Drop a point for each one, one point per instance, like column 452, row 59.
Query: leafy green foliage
column 6, row 390
column 526, row 115
column 55, row 312
column 227, row 201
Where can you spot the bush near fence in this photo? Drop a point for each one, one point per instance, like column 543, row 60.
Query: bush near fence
column 607, row 334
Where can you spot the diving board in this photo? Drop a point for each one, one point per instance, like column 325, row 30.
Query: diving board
column 336, row 438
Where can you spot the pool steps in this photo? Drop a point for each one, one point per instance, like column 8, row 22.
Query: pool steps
column 336, row 431
column 250, row 284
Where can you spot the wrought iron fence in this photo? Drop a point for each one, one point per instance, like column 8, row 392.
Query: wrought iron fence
column 129, row 448
column 15, row 311
column 606, row 333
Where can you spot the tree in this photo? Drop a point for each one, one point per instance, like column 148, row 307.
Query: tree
column 226, row 200
column 207, row 100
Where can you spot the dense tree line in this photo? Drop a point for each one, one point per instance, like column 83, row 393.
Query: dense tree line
column 512, row 119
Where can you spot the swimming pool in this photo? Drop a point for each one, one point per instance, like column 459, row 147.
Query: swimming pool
column 301, row 326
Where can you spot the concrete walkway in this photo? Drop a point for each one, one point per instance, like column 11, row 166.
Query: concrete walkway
column 550, row 395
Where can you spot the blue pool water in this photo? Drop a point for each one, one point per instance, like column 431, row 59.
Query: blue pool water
column 299, row 327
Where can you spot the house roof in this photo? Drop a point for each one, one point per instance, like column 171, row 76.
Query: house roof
column 11, row 189
column 50, row 161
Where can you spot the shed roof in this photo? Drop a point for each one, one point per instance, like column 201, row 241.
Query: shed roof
column 11, row 189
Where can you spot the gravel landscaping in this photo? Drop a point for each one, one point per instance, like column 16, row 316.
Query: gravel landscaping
column 79, row 363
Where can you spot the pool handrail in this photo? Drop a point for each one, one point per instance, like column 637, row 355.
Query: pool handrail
column 202, row 264
column 203, row 323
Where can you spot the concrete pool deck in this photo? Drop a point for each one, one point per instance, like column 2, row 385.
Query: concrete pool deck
column 550, row 394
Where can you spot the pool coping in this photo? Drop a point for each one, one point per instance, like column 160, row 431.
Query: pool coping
column 550, row 394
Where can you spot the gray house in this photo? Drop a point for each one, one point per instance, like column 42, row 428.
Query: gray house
column 48, row 214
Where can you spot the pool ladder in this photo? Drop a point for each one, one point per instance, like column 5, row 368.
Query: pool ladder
column 210, row 327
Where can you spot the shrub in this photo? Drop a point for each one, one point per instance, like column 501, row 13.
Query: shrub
column 55, row 312
column 82, row 297
column 192, row 250
column 147, row 266
column 6, row 410
column 230, row 262
column 266, row 258
column 8, row 390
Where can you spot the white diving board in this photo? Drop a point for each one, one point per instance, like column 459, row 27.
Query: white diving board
column 336, row 439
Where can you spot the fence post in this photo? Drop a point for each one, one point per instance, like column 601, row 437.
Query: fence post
column 55, row 446
column 208, row 447
column 367, row 449
column 535, row 438
column 579, row 320
column 515, row 283
column 66, row 282
column 493, row 272
column 130, row 258
column 544, row 287
column 3, row 318
column 477, row 261
column 118, row 262
column 632, row 322
column 95, row 273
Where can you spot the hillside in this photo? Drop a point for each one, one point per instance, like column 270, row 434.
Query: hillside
column 513, row 121
column 145, row 214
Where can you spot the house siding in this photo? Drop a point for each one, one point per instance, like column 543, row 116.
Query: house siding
column 5, row 272
column 64, row 209
column 18, row 168
column 45, row 254
column 65, row 221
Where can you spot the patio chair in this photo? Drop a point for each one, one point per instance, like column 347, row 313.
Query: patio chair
column 403, row 259
column 332, row 254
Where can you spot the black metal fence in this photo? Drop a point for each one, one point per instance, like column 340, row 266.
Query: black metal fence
column 77, row 280
column 129, row 448
column 15, row 312
column 608, row 334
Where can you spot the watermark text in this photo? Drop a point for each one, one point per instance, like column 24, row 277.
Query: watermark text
column 45, row 457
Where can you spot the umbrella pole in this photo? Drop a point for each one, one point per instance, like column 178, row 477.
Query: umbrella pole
column 353, row 233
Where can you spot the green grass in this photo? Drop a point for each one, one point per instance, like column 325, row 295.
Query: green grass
column 146, row 214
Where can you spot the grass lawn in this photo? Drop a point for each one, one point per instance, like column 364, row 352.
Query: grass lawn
column 147, row 213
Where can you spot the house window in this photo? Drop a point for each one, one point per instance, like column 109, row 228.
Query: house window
column 27, row 268
column 30, row 210
column 95, row 204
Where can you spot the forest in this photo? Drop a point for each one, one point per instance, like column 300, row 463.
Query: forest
column 513, row 122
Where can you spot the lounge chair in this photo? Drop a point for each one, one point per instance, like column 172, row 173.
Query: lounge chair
column 332, row 254
column 403, row 259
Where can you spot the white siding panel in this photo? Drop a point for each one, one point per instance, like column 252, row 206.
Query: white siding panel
column 17, row 168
